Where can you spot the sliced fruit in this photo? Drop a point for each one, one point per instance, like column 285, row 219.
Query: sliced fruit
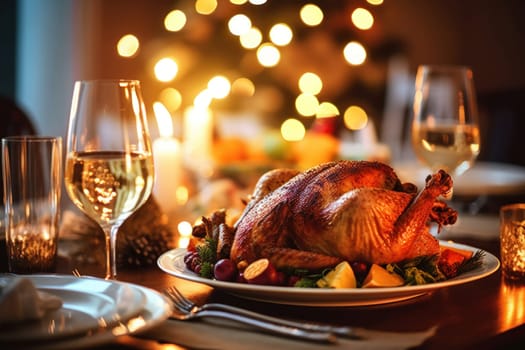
column 261, row 272
column 380, row 277
column 342, row 276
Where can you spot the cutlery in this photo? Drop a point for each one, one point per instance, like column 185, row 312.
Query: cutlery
column 190, row 306
column 182, row 314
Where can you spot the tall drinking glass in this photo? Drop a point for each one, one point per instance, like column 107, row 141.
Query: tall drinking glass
column 445, row 128
column 109, row 163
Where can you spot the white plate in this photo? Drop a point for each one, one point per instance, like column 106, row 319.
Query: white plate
column 172, row 262
column 484, row 178
column 94, row 311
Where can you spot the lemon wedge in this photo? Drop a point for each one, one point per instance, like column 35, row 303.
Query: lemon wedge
column 342, row 276
column 380, row 277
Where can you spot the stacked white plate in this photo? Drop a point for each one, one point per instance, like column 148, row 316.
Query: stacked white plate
column 94, row 311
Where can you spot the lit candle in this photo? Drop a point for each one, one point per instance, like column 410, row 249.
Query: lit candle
column 198, row 138
column 167, row 155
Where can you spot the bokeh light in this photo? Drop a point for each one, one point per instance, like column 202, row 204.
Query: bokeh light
column 175, row 21
column 166, row 69
column 281, row 34
column 239, row 24
column 128, row 45
column 311, row 15
column 310, row 83
column 362, row 18
column 251, row 38
column 171, row 98
column 327, row 109
column 355, row 118
column 354, row 53
column 306, row 105
column 257, row 2
column 292, row 130
column 268, row 55
column 238, row 2
column 375, row 2
column 243, row 87
column 219, row 87
column 205, row 7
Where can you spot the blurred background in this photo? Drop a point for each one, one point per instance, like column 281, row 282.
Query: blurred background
column 254, row 85
column 279, row 68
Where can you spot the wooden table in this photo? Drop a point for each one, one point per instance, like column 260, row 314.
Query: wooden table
column 485, row 314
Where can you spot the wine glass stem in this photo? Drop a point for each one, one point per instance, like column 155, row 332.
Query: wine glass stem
column 110, row 233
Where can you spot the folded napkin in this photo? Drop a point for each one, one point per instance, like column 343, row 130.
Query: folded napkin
column 211, row 334
column 21, row 301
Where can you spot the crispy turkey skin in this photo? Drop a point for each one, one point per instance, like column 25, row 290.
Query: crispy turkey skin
column 343, row 210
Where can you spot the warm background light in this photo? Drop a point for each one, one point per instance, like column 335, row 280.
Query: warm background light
column 268, row 55
column 281, row 34
column 166, row 69
column 354, row 53
column 239, row 24
column 310, row 83
column 306, row 104
column 175, row 21
column 171, row 98
column 355, row 118
column 219, row 87
column 251, row 38
column 205, row 7
column 292, row 130
column 311, row 15
column 243, row 87
column 128, row 45
column 327, row 109
column 362, row 18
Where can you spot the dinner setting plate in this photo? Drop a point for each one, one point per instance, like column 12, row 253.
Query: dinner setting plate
column 172, row 262
column 93, row 311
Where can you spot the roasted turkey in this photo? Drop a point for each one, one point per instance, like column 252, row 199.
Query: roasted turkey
column 343, row 210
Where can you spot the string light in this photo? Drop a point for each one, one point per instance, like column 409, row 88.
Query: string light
column 292, row 130
column 128, row 45
column 175, row 21
column 311, row 15
column 268, row 55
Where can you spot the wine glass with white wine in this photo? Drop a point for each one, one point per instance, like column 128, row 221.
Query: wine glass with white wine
column 109, row 162
column 445, row 128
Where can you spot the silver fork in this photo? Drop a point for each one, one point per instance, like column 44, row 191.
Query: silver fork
column 190, row 306
column 184, row 314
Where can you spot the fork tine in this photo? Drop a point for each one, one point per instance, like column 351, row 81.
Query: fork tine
column 176, row 301
column 188, row 304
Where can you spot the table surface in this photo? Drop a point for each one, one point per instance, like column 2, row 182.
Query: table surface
column 484, row 314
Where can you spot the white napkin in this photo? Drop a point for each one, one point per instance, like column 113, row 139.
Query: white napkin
column 212, row 335
column 21, row 301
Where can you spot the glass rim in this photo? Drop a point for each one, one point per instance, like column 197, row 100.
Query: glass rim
column 107, row 81
column 512, row 206
column 31, row 138
column 445, row 67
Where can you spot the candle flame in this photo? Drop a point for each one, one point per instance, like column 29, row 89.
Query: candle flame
column 163, row 119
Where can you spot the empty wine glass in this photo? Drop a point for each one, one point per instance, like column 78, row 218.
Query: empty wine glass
column 445, row 128
column 109, row 163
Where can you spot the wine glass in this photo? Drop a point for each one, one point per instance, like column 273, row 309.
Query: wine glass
column 445, row 128
column 109, row 163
